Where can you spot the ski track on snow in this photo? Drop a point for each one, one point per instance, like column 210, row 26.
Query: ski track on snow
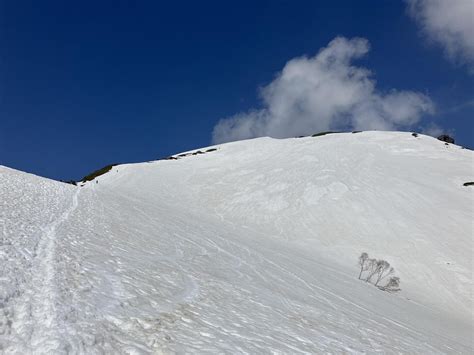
column 38, row 316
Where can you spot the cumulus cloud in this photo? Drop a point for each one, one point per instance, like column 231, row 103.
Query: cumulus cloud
column 448, row 23
column 325, row 92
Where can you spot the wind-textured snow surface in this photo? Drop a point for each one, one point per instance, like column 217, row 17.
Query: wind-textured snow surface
column 251, row 248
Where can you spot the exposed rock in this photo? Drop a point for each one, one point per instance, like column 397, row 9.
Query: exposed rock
column 446, row 138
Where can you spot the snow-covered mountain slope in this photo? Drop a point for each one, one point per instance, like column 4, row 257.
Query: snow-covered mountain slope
column 251, row 248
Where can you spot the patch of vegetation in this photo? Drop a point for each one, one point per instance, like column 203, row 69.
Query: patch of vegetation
column 183, row 155
column 322, row 133
column 469, row 183
column 414, row 134
column 97, row 173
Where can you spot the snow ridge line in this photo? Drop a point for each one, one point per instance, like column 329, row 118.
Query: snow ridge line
column 38, row 315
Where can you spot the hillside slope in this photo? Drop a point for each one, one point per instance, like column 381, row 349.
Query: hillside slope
column 251, row 248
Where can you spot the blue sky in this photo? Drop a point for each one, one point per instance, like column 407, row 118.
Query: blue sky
column 86, row 84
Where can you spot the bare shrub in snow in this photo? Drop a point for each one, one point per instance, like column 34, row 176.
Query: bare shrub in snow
column 363, row 264
column 384, row 271
column 392, row 285
column 377, row 271
column 374, row 266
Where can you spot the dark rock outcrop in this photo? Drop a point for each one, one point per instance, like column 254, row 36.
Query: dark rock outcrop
column 446, row 138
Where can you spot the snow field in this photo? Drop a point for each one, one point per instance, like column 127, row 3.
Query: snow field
column 248, row 249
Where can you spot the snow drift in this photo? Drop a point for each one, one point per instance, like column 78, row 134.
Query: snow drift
column 250, row 248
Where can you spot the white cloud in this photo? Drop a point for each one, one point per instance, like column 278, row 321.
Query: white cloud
column 433, row 130
column 325, row 92
column 449, row 23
